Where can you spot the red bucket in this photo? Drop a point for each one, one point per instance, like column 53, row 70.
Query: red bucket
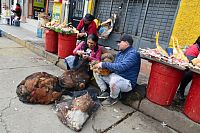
column 163, row 83
column 192, row 106
column 66, row 44
column 51, row 41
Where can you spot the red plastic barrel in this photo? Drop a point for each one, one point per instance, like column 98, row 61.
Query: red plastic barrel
column 66, row 44
column 163, row 83
column 192, row 106
column 51, row 41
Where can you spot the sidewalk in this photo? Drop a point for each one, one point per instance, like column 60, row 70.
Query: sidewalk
column 16, row 117
column 169, row 116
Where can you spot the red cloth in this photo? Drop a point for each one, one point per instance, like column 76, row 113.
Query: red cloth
column 91, row 29
column 94, row 55
column 17, row 8
column 17, row 11
column 193, row 50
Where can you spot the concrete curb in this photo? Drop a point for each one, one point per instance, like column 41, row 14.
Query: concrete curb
column 173, row 119
column 176, row 120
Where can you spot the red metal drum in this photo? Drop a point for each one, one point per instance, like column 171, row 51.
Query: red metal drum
column 51, row 41
column 66, row 44
column 163, row 83
column 192, row 105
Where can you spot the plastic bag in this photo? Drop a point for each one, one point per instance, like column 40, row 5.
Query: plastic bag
column 107, row 27
column 74, row 113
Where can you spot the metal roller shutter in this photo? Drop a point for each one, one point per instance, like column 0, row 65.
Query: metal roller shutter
column 141, row 18
column 160, row 16
column 78, row 8
column 135, row 13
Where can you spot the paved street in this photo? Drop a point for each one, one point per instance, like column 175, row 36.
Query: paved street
column 18, row 62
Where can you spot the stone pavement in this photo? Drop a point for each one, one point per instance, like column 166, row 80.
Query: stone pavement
column 166, row 116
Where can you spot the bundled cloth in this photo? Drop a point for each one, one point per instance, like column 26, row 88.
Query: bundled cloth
column 39, row 88
column 76, row 78
column 44, row 88
column 74, row 113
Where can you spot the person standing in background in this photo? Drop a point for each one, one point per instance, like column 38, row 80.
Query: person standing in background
column 191, row 53
column 17, row 11
column 86, row 27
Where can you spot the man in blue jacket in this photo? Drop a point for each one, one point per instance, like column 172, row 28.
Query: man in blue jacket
column 125, row 68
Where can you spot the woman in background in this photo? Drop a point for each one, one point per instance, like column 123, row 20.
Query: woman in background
column 86, row 27
column 17, row 11
column 191, row 53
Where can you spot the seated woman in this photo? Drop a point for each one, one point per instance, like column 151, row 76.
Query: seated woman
column 193, row 55
column 89, row 50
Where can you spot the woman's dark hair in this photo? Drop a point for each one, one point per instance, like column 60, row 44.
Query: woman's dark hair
column 89, row 17
column 17, row 4
column 198, row 41
column 94, row 38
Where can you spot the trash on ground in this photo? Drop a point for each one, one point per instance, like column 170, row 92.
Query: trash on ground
column 163, row 124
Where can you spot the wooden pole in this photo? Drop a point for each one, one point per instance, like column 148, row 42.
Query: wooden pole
column 47, row 6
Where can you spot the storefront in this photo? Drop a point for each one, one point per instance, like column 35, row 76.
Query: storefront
column 31, row 8
column 38, row 6
column 76, row 12
column 140, row 18
column 57, row 11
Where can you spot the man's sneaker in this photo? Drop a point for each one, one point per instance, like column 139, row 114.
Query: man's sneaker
column 110, row 101
column 103, row 95
column 180, row 96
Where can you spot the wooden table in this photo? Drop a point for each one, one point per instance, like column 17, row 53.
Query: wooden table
column 162, row 62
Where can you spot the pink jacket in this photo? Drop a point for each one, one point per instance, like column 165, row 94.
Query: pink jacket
column 193, row 50
column 94, row 55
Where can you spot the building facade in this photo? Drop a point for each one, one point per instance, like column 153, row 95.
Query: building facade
column 139, row 18
column 187, row 24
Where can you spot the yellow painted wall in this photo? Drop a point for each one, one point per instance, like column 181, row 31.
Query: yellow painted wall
column 187, row 23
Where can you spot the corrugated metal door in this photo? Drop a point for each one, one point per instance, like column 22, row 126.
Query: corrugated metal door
column 160, row 15
column 141, row 18
column 76, row 11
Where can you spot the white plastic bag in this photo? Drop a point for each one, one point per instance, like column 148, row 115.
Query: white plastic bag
column 74, row 113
